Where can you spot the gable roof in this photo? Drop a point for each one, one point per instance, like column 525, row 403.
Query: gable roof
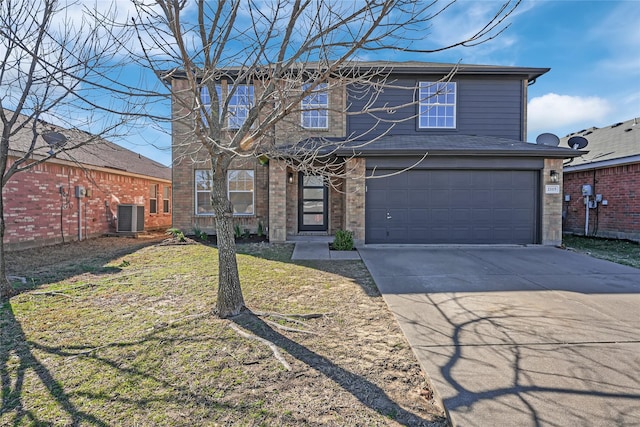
column 612, row 145
column 99, row 153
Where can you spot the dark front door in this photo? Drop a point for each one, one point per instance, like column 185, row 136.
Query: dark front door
column 312, row 203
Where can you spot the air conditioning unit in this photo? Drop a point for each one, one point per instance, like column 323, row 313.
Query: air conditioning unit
column 130, row 218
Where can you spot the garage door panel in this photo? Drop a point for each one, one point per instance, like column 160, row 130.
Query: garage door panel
column 453, row 206
column 459, row 215
column 439, row 197
column 483, row 215
column 398, row 197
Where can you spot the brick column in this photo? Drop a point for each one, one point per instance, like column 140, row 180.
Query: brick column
column 551, row 205
column 277, row 201
column 355, row 198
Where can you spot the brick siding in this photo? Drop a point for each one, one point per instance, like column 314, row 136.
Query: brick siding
column 620, row 187
column 551, row 205
column 38, row 214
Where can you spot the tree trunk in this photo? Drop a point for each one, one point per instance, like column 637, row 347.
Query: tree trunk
column 230, row 299
column 6, row 291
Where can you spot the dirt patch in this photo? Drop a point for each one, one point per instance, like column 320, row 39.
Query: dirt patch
column 123, row 328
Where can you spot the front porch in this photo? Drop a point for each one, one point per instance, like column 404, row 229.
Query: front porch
column 302, row 208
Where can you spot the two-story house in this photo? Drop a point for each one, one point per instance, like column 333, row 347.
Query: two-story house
column 427, row 161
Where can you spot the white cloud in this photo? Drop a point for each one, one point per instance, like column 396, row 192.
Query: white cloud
column 551, row 111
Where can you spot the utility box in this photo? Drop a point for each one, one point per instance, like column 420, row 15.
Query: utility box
column 130, row 218
column 587, row 190
column 80, row 191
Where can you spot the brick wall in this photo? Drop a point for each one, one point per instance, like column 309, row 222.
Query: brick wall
column 38, row 214
column 355, row 198
column 620, row 187
column 290, row 129
column 551, row 205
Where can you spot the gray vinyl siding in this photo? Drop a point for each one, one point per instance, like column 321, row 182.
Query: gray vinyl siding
column 485, row 107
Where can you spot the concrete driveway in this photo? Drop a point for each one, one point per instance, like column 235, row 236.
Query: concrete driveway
column 519, row 336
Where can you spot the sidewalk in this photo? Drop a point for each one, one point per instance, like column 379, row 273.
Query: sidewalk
column 318, row 249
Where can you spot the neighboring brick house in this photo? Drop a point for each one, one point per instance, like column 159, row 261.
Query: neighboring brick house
column 479, row 183
column 612, row 169
column 77, row 194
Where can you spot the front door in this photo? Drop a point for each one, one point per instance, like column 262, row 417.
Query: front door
column 312, row 203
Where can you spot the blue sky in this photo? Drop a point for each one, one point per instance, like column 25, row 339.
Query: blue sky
column 592, row 48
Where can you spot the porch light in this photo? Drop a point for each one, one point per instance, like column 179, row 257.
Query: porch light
column 290, row 177
column 555, row 176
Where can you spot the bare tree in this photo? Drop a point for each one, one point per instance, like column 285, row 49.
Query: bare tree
column 286, row 52
column 53, row 73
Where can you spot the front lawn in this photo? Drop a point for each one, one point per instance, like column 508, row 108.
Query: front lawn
column 130, row 340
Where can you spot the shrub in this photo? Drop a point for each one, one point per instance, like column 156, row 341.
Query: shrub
column 200, row 234
column 237, row 231
column 343, row 240
column 177, row 234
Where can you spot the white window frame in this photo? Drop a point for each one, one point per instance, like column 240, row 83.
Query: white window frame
column 239, row 105
column 238, row 172
column 208, row 209
column 199, row 174
column 435, row 101
column 314, row 113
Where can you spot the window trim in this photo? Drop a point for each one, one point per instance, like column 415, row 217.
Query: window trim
column 315, row 108
column 427, row 100
column 153, row 197
column 229, row 172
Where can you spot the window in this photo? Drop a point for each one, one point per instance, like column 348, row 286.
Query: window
column 240, row 192
column 437, row 105
column 153, row 198
column 240, row 103
column 203, row 184
column 166, row 197
column 315, row 113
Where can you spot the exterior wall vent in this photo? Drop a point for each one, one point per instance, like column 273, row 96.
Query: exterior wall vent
column 130, row 218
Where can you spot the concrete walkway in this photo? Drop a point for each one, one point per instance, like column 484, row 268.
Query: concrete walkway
column 317, row 248
column 519, row 336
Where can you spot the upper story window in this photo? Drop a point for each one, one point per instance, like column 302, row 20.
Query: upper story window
column 240, row 102
column 437, row 105
column 315, row 113
column 153, row 198
column 240, row 191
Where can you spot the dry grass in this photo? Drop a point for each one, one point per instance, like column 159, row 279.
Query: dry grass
column 619, row 251
column 121, row 334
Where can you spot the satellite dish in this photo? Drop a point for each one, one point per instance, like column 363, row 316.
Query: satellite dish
column 548, row 139
column 55, row 140
column 577, row 142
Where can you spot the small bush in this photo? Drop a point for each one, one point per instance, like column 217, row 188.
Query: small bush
column 343, row 240
column 260, row 231
column 237, row 231
column 200, row 234
column 177, row 234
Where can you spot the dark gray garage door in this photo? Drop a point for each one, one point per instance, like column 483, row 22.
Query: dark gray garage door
column 453, row 206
